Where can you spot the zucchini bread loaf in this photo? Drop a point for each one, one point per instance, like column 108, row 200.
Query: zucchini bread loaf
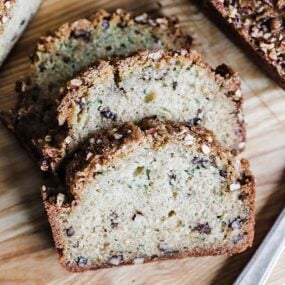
column 73, row 47
column 174, row 85
column 14, row 17
column 258, row 26
column 158, row 191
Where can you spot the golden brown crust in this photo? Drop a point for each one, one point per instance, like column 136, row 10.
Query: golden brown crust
column 54, row 152
column 108, row 145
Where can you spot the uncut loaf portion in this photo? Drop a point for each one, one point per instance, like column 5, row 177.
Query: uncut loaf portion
column 258, row 27
column 73, row 47
column 174, row 85
column 158, row 191
column 14, row 17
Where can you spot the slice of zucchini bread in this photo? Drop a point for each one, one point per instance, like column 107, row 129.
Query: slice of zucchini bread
column 14, row 17
column 73, row 47
column 174, row 85
column 158, row 191
column 76, row 45
column 258, row 26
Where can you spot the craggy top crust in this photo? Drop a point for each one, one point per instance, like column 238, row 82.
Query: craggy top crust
column 261, row 23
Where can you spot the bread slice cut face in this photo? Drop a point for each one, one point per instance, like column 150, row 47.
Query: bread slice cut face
column 160, row 191
column 173, row 85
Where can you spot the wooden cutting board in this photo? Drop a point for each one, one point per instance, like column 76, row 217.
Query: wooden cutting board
column 27, row 255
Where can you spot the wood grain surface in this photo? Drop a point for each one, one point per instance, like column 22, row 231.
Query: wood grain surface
column 27, row 255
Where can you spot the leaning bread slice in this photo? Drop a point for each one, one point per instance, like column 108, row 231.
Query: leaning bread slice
column 161, row 191
column 73, row 47
column 76, row 45
column 14, row 17
column 174, row 85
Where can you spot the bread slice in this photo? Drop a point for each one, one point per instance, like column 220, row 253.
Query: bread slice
column 14, row 17
column 160, row 191
column 73, row 47
column 258, row 26
column 174, row 85
column 76, row 45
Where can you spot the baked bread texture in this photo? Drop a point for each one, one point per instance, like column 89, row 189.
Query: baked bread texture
column 158, row 191
column 258, row 26
column 174, row 85
column 73, row 47
column 14, row 17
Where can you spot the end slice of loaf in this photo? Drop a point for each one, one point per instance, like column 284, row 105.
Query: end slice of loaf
column 14, row 17
column 73, row 47
column 160, row 191
column 174, row 85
